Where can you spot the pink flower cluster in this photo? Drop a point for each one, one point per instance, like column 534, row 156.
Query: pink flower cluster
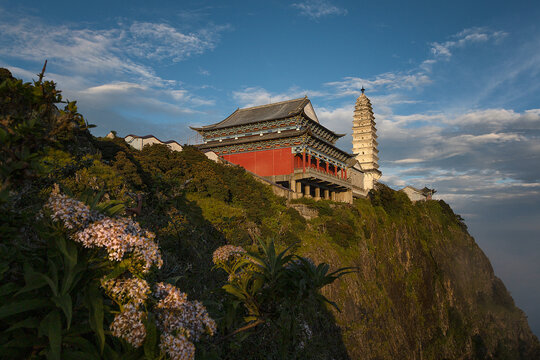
column 72, row 213
column 117, row 235
column 123, row 290
column 224, row 253
column 177, row 347
column 120, row 236
column 182, row 322
column 129, row 325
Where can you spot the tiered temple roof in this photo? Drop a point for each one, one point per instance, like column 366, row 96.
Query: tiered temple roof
column 293, row 114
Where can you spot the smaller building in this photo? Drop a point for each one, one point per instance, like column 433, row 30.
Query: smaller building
column 138, row 142
column 418, row 194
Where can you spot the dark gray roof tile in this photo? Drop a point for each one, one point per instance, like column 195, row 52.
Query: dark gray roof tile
column 279, row 110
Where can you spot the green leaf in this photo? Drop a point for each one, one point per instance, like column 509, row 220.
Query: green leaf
column 52, row 284
column 18, row 342
column 21, row 306
column 33, row 281
column 64, row 303
column 71, row 269
column 68, row 249
column 78, row 355
column 150, row 342
column 27, row 323
column 234, row 291
column 94, row 300
column 119, row 269
column 3, row 135
column 88, row 348
column 257, row 284
column 8, row 289
column 51, row 326
column 94, row 202
column 111, row 207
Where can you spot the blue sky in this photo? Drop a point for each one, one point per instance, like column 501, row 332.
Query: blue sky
column 455, row 88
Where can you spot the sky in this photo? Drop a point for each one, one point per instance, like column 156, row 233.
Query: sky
column 455, row 88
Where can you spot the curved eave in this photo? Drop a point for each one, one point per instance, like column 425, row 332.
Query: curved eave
column 337, row 136
column 245, row 140
column 324, row 142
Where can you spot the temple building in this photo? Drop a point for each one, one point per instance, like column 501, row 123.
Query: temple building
column 285, row 143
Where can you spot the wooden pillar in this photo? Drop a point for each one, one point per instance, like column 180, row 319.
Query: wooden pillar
column 307, row 191
column 345, row 174
column 317, row 193
column 327, row 194
column 309, row 160
column 342, row 173
column 327, row 167
column 317, row 163
column 335, row 169
column 304, row 160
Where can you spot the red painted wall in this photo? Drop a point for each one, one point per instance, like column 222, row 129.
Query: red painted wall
column 264, row 162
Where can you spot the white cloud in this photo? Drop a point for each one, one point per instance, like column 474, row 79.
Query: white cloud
column 465, row 37
column 116, row 51
column 253, row 96
column 408, row 161
column 387, row 81
column 204, row 72
column 118, row 87
column 317, row 9
column 419, row 76
column 160, row 41
column 134, row 96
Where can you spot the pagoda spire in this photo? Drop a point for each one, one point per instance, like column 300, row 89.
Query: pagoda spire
column 365, row 134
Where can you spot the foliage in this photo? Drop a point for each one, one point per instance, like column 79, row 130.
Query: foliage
column 274, row 288
column 395, row 203
column 61, row 257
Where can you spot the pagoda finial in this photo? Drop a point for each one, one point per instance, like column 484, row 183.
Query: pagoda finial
column 362, row 89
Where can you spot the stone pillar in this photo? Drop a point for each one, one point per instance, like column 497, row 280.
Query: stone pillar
column 327, row 194
column 333, row 195
column 317, row 193
column 350, row 197
column 307, row 191
column 292, row 186
column 299, row 189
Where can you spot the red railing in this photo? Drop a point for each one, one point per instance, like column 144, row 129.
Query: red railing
column 323, row 167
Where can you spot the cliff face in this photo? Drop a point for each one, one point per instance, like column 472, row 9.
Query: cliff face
column 423, row 290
